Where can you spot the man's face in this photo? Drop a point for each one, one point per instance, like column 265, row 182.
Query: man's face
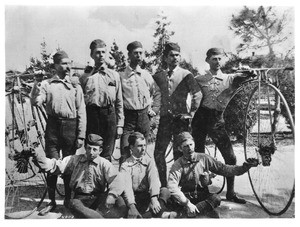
column 173, row 58
column 92, row 151
column 215, row 62
column 136, row 55
column 63, row 67
column 99, row 55
column 139, row 148
column 187, row 148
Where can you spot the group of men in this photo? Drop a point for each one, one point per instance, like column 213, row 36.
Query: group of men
column 104, row 105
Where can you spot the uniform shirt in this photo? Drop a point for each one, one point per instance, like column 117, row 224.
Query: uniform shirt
column 89, row 177
column 138, row 87
column 63, row 98
column 216, row 89
column 175, row 87
column 186, row 173
column 141, row 176
column 103, row 89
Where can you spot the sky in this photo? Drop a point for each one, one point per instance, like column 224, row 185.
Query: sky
column 73, row 27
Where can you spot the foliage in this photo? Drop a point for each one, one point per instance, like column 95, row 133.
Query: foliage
column 259, row 28
column 189, row 66
column 43, row 64
column 162, row 35
column 119, row 58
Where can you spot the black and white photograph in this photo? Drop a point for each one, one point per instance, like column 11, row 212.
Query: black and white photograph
column 149, row 111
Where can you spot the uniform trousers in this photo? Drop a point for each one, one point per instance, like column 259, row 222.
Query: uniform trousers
column 60, row 135
column 93, row 206
column 143, row 199
column 103, row 122
column 169, row 126
column 135, row 121
column 211, row 122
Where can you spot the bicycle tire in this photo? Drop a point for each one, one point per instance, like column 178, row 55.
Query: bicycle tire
column 218, row 181
column 272, row 181
column 25, row 184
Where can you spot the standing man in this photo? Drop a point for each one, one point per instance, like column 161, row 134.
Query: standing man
column 190, row 175
column 216, row 88
column 139, row 89
column 142, row 180
column 103, row 99
column 96, row 183
column 175, row 84
column 66, row 123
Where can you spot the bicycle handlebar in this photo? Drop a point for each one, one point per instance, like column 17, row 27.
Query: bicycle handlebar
column 288, row 68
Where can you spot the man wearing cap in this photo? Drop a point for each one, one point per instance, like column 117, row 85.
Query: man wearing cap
column 175, row 84
column 139, row 89
column 96, row 183
column 217, row 88
column 190, row 175
column 142, row 177
column 103, row 98
column 66, row 122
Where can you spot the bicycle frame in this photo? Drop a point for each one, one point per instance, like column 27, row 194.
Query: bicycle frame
column 263, row 77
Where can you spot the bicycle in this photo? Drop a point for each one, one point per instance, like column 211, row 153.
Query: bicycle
column 268, row 135
column 25, row 183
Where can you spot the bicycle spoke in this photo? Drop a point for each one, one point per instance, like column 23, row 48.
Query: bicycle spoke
column 270, row 137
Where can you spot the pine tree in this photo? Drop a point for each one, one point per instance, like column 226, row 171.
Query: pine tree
column 119, row 58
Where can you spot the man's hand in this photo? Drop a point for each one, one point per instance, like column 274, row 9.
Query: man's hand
column 185, row 117
column 151, row 113
column 251, row 162
column 133, row 212
column 119, row 132
column 79, row 143
column 42, row 161
column 110, row 201
column 154, row 205
column 192, row 210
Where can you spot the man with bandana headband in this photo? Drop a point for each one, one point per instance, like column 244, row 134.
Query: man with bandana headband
column 217, row 88
column 66, row 122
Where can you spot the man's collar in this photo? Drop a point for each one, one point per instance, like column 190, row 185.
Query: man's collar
column 174, row 70
column 218, row 75
column 66, row 81
column 94, row 161
column 194, row 158
column 131, row 71
column 102, row 69
column 134, row 160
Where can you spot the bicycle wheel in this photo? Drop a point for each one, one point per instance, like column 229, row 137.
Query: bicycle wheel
column 269, row 136
column 218, row 181
column 25, row 185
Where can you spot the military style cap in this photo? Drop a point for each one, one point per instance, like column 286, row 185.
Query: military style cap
column 181, row 137
column 171, row 46
column 97, row 43
column 59, row 55
column 134, row 45
column 94, row 140
column 214, row 51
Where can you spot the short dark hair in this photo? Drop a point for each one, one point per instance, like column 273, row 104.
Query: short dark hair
column 134, row 136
